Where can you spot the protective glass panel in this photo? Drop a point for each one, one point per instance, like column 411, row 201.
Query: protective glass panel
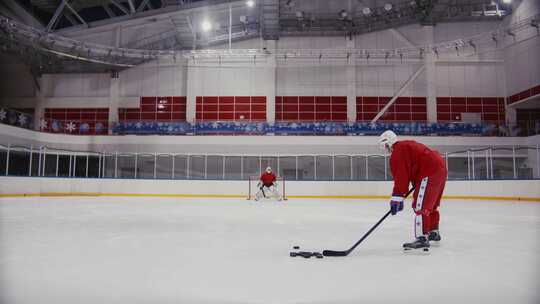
column 287, row 167
column 359, row 169
column 145, row 166
column 35, row 163
column 480, row 169
column 93, row 166
column 523, row 169
column 164, row 166
column 458, row 166
column 180, row 167
column 503, row 168
column 233, row 167
column 108, row 163
column 126, row 166
column 80, row 166
column 342, row 167
column 525, row 162
column 19, row 163
column 323, row 168
column 196, row 167
column 389, row 175
column 214, row 167
column 376, row 167
column 3, row 158
column 63, row 165
column 306, row 168
column 50, row 164
column 251, row 166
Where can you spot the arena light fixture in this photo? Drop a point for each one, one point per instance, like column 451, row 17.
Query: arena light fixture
column 290, row 3
column 366, row 11
column 206, row 25
column 250, row 3
column 507, row 1
column 343, row 14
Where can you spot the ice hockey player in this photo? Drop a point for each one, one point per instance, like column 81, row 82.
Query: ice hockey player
column 413, row 162
column 267, row 185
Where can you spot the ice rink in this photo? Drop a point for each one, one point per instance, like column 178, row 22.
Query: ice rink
column 172, row 250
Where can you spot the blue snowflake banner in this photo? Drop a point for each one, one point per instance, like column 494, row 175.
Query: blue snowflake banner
column 16, row 118
column 295, row 128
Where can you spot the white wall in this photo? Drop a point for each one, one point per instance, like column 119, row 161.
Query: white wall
column 471, row 80
column 522, row 61
column 211, row 78
column 492, row 190
column 156, row 78
column 76, row 85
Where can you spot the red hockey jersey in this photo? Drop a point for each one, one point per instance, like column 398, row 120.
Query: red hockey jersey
column 410, row 162
column 268, row 178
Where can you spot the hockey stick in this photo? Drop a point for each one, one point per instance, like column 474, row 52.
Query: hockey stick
column 346, row 252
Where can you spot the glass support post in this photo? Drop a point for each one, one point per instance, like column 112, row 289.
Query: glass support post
column 514, row 161
column 136, row 163
column 30, row 164
column 42, row 172
column 173, row 168
column 155, row 165
column 57, row 161
column 70, row 165
column 468, row 164
column 99, row 165
column 296, row 167
column 491, row 162
column 7, row 159
column 487, row 163
column 333, row 167
column 116, row 164
column 367, row 167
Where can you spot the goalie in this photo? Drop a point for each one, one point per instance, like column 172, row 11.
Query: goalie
column 268, row 186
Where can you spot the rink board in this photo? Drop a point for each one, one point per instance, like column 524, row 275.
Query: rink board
column 522, row 190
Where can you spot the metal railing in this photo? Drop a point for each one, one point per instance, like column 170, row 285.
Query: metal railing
column 490, row 163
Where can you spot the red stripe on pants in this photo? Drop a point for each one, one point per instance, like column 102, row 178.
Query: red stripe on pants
column 431, row 202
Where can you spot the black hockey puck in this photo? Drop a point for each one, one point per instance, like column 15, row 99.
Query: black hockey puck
column 296, row 247
column 305, row 254
column 426, row 249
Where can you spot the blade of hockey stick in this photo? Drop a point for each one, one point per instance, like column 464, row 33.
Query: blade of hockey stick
column 335, row 253
column 346, row 252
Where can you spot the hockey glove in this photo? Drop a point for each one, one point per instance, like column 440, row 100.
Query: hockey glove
column 396, row 205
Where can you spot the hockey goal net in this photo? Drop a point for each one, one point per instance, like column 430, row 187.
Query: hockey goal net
column 253, row 189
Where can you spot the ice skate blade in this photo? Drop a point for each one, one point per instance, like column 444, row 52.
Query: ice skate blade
column 418, row 251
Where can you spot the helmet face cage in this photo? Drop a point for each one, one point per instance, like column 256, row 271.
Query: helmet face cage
column 268, row 169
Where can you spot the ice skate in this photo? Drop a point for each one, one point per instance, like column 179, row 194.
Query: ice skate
column 434, row 238
column 421, row 243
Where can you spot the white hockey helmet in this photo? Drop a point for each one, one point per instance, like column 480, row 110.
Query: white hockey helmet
column 268, row 169
column 387, row 140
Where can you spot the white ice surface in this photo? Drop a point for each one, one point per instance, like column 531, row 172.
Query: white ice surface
column 168, row 250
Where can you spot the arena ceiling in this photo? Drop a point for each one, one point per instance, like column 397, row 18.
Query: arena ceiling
column 230, row 20
column 274, row 18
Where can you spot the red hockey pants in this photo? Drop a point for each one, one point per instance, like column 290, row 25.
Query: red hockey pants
column 427, row 198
